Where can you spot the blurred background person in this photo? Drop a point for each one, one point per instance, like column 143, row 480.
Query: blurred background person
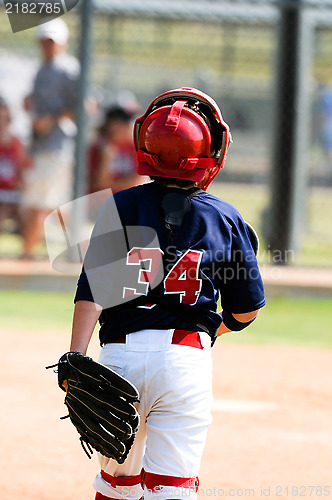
column 51, row 106
column 13, row 159
column 112, row 156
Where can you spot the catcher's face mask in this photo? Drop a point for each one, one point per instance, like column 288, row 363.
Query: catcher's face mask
column 182, row 135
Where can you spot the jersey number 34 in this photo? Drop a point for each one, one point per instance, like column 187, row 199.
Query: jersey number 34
column 183, row 277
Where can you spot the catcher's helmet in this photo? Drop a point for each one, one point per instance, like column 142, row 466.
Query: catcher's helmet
column 182, row 135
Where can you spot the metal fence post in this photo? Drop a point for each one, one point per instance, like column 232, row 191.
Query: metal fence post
column 78, row 214
column 291, row 136
column 79, row 182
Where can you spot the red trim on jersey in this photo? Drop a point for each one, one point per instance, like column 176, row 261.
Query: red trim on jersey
column 154, row 482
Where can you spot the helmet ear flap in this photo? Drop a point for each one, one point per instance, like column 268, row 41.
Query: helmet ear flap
column 210, row 175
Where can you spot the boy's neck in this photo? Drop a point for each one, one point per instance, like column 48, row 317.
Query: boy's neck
column 175, row 184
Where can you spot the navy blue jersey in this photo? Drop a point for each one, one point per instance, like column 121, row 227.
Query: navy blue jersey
column 207, row 258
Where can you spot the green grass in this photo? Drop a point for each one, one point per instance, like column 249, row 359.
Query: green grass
column 283, row 321
column 11, row 246
column 35, row 311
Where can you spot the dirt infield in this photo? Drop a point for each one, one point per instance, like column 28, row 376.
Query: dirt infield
column 271, row 435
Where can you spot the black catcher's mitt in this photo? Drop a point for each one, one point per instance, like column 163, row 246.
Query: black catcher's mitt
column 100, row 405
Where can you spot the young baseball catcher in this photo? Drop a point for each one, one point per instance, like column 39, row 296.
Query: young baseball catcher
column 161, row 255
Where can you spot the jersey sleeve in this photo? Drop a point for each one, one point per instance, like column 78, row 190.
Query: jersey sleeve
column 241, row 287
column 83, row 290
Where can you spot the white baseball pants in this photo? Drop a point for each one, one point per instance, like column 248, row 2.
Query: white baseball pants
column 175, row 385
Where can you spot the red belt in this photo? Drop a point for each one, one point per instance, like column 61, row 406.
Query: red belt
column 180, row 337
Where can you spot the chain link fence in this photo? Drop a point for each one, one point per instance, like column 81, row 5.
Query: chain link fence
column 227, row 49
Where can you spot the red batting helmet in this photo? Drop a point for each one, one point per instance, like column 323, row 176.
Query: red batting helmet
column 182, row 135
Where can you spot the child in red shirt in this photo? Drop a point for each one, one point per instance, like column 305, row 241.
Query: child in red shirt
column 112, row 157
column 13, row 159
